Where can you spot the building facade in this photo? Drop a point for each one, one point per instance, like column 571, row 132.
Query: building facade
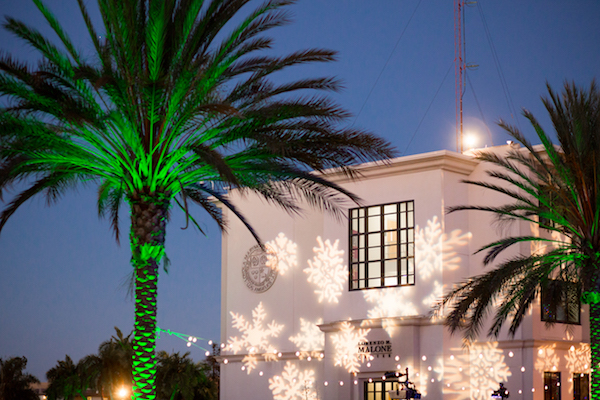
column 337, row 300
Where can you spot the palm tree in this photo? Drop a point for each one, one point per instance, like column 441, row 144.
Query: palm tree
column 172, row 109
column 68, row 380
column 557, row 189
column 111, row 367
column 14, row 384
column 179, row 378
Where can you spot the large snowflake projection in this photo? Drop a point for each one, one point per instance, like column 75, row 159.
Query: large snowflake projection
column 390, row 303
column 254, row 337
column 310, row 337
column 285, row 251
column 480, row 368
column 435, row 250
column 547, row 359
column 293, row 384
column 578, row 358
column 346, row 346
column 327, row 271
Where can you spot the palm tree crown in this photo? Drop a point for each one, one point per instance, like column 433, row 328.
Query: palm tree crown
column 172, row 109
column 14, row 383
column 558, row 190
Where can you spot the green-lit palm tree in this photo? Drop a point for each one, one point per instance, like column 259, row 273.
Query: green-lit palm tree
column 558, row 189
column 14, row 383
column 177, row 105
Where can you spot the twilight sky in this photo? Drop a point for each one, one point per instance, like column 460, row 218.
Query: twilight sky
column 61, row 272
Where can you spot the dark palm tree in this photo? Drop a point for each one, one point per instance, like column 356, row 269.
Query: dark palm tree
column 111, row 367
column 172, row 110
column 14, row 383
column 559, row 190
column 68, row 380
column 179, row 378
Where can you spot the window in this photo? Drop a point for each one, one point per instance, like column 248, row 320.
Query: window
column 581, row 387
column 551, row 385
column 382, row 246
column 567, row 309
column 378, row 390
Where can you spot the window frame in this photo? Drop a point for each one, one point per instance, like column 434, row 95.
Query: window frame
column 390, row 250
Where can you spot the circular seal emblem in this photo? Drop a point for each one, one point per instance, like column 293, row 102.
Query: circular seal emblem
column 259, row 269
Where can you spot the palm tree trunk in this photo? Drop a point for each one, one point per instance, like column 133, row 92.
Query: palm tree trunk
column 147, row 236
column 595, row 348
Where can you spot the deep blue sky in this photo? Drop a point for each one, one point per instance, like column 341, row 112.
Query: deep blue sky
column 60, row 269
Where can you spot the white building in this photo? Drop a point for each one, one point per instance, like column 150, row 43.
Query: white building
column 349, row 299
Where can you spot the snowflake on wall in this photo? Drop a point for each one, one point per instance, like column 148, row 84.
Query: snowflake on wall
column 346, row 346
column 547, row 359
column 286, row 253
column 390, row 303
column 293, row 384
column 480, row 368
column 327, row 271
column 435, row 250
column 435, row 296
column 310, row 336
column 578, row 358
column 254, row 336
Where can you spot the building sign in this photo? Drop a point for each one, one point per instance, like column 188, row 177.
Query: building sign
column 259, row 269
column 375, row 348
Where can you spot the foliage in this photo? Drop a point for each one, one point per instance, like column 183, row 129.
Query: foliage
column 68, row 380
column 177, row 106
column 14, row 383
column 179, row 378
column 557, row 189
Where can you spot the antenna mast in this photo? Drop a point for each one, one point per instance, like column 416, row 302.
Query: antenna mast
column 459, row 70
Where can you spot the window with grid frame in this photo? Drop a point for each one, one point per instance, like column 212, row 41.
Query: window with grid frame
column 382, row 246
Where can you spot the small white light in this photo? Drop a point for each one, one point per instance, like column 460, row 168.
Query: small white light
column 511, row 354
column 522, row 369
column 429, row 368
column 322, row 355
column 383, row 378
column 279, row 354
column 260, row 373
column 540, row 352
column 424, row 358
column 397, row 358
column 370, row 380
column 325, row 383
column 459, row 369
column 207, row 353
column 432, row 380
column 520, row 391
column 371, row 358
column 225, row 361
column 189, row 344
column 532, row 390
column 190, row 339
column 448, row 385
column 222, row 345
column 480, row 355
column 398, row 366
column 210, row 342
column 463, row 388
column 355, row 382
column 243, row 368
column 572, row 348
column 368, row 364
column 341, row 383
column 297, row 354
column 308, row 358
column 452, row 357
column 194, row 340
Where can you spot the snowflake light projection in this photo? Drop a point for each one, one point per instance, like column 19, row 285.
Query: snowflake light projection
column 481, row 368
column 346, row 346
column 390, row 303
column 310, row 337
column 293, row 384
column 578, row 358
column 547, row 359
column 254, row 337
column 327, row 271
column 435, row 250
column 286, row 253
column 438, row 291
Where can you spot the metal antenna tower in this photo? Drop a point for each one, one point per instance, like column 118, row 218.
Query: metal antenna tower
column 459, row 70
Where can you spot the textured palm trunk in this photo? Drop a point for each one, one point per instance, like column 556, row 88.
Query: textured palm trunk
column 595, row 348
column 147, row 236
